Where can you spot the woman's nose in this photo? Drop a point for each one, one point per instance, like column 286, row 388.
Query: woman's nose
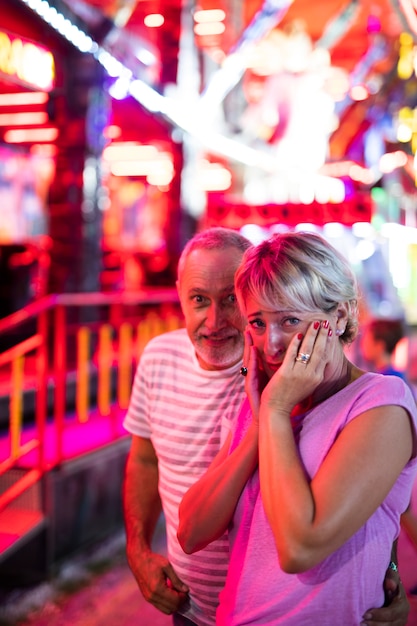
column 273, row 342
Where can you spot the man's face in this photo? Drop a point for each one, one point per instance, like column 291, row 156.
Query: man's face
column 212, row 317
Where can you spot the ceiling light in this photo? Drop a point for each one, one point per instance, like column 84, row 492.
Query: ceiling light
column 154, row 20
column 63, row 25
column 209, row 28
column 210, row 15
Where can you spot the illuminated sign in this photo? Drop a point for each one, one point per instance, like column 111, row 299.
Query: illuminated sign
column 235, row 215
column 26, row 62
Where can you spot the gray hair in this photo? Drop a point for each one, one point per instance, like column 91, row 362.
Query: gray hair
column 215, row 238
column 302, row 272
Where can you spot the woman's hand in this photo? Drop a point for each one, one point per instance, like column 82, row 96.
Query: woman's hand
column 296, row 379
column 256, row 379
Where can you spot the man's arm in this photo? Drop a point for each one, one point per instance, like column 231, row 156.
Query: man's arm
column 396, row 609
column 154, row 574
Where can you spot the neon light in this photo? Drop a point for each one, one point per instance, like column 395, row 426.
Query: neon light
column 23, row 98
column 29, row 135
column 154, row 20
column 27, row 62
column 23, row 119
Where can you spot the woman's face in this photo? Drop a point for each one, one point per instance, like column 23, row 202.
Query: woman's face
column 273, row 330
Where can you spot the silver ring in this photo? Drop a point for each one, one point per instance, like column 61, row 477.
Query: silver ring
column 303, row 358
column 244, row 371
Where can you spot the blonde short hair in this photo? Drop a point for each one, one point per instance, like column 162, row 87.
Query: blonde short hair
column 299, row 271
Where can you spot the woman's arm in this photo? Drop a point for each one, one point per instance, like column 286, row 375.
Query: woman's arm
column 208, row 506
column 310, row 520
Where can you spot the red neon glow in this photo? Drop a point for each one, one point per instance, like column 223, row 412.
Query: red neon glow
column 23, row 98
column 29, row 135
column 23, row 119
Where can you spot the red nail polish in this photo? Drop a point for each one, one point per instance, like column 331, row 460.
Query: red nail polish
column 326, row 324
column 330, row 332
column 316, row 325
column 300, row 336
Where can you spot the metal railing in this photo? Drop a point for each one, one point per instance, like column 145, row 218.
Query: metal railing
column 70, row 353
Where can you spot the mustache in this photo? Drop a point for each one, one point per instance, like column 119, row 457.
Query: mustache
column 219, row 335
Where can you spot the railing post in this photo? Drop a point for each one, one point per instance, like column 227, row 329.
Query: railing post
column 60, row 373
column 83, row 386
column 124, row 365
column 16, row 406
column 42, row 382
column 105, row 356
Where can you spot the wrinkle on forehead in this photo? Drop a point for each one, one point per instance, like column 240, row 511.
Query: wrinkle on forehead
column 204, row 268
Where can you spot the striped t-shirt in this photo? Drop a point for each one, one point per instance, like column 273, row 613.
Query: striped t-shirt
column 180, row 407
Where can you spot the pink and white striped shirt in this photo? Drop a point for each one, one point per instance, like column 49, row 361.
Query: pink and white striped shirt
column 180, row 407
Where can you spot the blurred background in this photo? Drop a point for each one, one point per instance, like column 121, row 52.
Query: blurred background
column 126, row 127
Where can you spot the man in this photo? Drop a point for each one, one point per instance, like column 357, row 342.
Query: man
column 187, row 381
column 379, row 340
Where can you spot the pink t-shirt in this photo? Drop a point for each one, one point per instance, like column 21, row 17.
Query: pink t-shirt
column 342, row 587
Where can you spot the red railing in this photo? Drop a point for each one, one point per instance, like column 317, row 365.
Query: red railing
column 71, row 354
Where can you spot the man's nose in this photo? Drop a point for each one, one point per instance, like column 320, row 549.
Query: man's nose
column 214, row 316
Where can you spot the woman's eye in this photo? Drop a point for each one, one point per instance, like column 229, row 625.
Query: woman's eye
column 257, row 323
column 290, row 322
column 232, row 298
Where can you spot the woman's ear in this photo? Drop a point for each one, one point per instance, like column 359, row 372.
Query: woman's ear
column 342, row 314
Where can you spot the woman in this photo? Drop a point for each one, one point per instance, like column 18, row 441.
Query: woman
column 311, row 526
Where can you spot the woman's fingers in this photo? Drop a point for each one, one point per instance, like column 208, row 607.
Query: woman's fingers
column 311, row 349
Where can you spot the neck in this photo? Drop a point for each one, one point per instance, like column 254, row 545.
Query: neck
column 341, row 376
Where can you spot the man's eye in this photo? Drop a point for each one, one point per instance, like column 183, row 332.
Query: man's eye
column 197, row 299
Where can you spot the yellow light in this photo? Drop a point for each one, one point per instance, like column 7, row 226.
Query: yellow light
column 26, row 61
column 404, row 133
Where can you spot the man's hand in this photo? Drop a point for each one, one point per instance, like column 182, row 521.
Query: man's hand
column 396, row 609
column 159, row 583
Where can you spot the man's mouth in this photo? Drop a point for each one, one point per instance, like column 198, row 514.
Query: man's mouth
column 215, row 339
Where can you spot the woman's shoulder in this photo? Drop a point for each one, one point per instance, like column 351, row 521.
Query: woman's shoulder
column 381, row 389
